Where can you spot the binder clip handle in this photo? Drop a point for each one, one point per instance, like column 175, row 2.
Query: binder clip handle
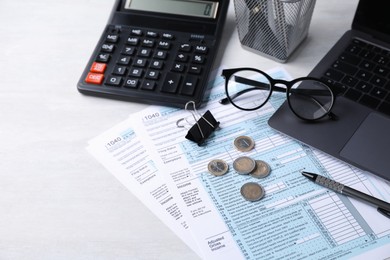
column 204, row 125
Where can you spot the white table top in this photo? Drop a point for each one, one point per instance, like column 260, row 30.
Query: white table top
column 56, row 200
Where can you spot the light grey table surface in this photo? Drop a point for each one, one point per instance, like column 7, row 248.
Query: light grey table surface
column 56, row 200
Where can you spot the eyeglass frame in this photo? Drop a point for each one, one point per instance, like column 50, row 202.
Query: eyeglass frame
column 227, row 73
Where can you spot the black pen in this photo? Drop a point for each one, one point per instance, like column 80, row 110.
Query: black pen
column 383, row 206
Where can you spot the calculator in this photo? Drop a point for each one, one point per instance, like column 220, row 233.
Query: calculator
column 156, row 51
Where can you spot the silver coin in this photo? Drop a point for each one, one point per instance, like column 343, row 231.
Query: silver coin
column 252, row 191
column 262, row 170
column 244, row 165
column 244, row 143
column 218, row 167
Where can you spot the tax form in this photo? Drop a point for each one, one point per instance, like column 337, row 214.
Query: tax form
column 121, row 151
column 296, row 219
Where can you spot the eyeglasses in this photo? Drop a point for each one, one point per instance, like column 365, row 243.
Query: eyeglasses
column 250, row 89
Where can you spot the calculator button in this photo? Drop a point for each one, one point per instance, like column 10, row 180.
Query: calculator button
column 119, row 70
column 168, row 36
column 179, row 67
column 124, row 60
column 107, row 47
column 113, row 81
column 98, row 67
column 103, row 57
column 189, row 85
column 201, row 49
column 152, row 74
column 145, row 52
column 132, row 41
column 194, row 69
column 140, row 62
column 94, row 78
column 157, row 64
column 112, row 38
column 137, row 32
column 148, row 43
column 181, row 57
column 152, row 34
column 131, row 83
column 171, row 82
column 136, row 72
column 148, row 85
column 161, row 55
column 164, row 45
column 185, row 47
column 198, row 59
column 128, row 50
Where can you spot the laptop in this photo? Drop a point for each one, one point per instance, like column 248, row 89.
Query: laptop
column 358, row 69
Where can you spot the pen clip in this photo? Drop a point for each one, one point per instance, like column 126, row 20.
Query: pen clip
column 384, row 212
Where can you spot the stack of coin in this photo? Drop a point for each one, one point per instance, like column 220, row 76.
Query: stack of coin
column 262, row 170
column 244, row 165
column 255, row 168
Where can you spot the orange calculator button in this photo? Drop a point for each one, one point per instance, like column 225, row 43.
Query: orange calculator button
column 94, row 78
column 98, row 67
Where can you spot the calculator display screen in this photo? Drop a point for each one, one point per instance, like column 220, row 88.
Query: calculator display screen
column 198, row 8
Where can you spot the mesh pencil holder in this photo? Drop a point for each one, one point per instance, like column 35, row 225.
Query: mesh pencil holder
column 273, row 28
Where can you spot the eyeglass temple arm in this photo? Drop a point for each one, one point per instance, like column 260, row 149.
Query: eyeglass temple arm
column 262, row 85
column 257, row 84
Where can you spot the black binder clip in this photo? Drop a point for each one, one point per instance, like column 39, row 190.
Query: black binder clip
column 204, row 125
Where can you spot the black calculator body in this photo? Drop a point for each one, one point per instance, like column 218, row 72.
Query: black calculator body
column 156, row 51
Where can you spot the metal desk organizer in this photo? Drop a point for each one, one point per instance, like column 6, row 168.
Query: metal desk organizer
column 273, row 28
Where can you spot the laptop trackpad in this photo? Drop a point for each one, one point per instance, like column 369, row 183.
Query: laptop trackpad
column 370, row 145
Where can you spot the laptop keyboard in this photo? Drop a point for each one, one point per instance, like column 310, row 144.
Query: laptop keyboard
column 362, row 73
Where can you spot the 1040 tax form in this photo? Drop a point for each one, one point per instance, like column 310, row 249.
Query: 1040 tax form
column 296, row 219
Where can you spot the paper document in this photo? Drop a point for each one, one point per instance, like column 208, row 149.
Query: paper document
column 296, row 219
column 121, row 151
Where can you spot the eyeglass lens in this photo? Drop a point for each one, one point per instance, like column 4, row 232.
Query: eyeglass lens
column 308, row 99
column 248, row 90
